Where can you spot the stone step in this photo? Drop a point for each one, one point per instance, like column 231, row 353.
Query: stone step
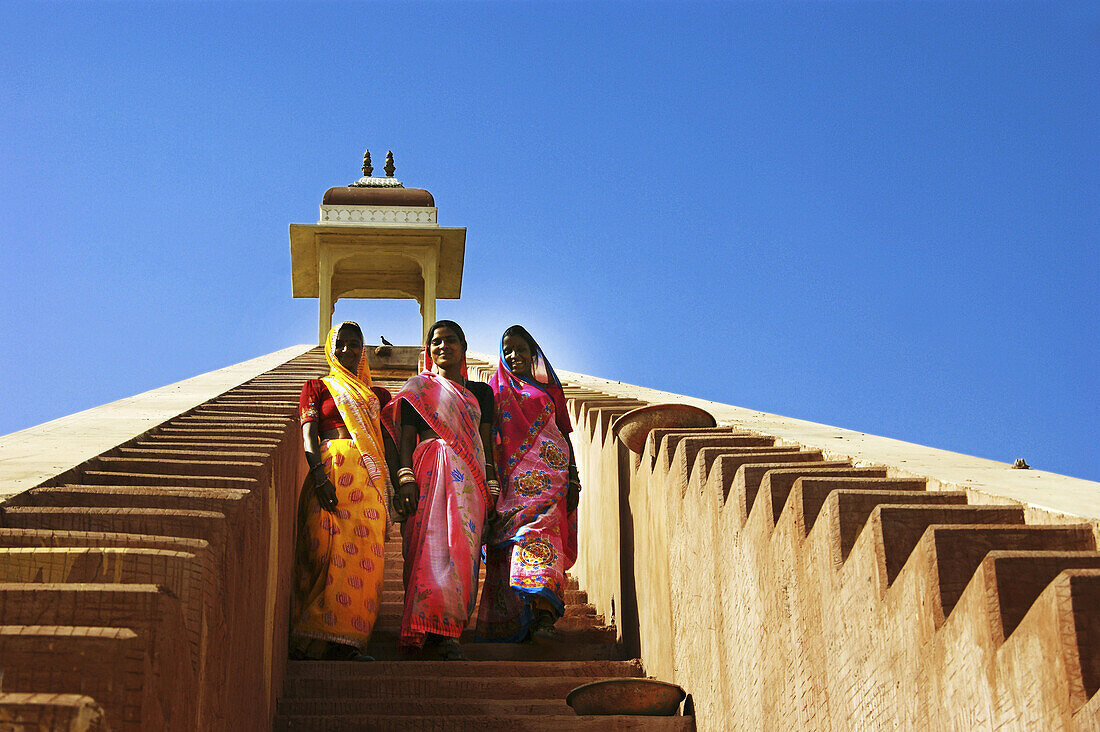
column 278, row 404
column 899, row 528
column 959, row 550
column 179, row 467
column 432, row 686
column 157, row 522
column 385, row 648
column 481, row 722
column 1018, row 578
column 748, row 472
column 242, row 422
column 71, row 712
column 705, row 457
column 255, row 442
column 776, row 484
column 663, row 443
column 569, row 623
column 189, row 454
column 11, row 537
column 421, row 707
column 848, row 510
column 176, row 571
column 570, row 630
column 228, row 433
column 348, row 669
column 686, row 449
column 225, row 500
column 83, row 603
column 108, row 477
column 243, row 412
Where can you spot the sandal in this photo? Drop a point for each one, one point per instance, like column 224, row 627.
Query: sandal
column 542, row 630
column 450, row 651
column 342, row 652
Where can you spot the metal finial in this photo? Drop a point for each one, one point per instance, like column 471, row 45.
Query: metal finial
column 367, row 168
column 389, row 164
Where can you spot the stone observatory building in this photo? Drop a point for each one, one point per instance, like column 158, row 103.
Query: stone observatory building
column 785, row 574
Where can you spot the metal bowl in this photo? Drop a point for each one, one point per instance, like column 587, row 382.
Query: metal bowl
column 647, row 697
column 634, row 427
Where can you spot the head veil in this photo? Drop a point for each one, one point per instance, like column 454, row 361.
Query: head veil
column 525, row 404
column 357, row 403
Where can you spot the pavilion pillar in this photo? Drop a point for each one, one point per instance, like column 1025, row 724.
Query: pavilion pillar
column 325, row 305
column 429, row 270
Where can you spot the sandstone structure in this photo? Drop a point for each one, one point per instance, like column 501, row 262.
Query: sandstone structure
column 832, row 581
column 788, row 575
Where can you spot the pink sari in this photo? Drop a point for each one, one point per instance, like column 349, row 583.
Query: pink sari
column 535, row 541
column 441, row 542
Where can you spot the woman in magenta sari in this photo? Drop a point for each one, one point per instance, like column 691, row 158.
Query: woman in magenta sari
column 441, row 423
column 533, row 539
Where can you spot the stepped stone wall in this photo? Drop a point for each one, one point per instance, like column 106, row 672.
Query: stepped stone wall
column 797, row 576
column 145, row 552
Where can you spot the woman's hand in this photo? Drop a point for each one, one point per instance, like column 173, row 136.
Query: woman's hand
column 406, row 498
column 573, row 493
column 326, row 494
column 573, row 490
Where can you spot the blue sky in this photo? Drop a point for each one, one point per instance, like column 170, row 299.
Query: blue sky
column 881, row 216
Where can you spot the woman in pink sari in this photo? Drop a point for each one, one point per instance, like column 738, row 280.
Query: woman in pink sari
column 441, row 423
column 533, row 539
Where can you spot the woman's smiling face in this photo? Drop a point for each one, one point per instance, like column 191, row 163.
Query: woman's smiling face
column 445, row 348
column 517, row 354
column 349, row 349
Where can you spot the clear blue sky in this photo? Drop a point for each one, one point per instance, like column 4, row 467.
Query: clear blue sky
column 881, row 216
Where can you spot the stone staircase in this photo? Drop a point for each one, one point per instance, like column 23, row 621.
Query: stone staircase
column 840, row 595
column 504, row 686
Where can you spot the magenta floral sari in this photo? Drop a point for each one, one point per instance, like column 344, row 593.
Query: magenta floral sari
column 441, row 542
column 535, row 540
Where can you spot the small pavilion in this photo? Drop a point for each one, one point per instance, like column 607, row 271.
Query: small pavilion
column 376, row 239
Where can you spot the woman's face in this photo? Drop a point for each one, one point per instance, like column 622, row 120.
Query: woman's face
column 517, row 354
column 446, row 348
column 349, row 349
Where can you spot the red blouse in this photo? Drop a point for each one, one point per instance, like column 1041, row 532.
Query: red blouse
column 317, row 405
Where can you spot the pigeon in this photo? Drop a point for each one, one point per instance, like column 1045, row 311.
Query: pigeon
column 384, row 350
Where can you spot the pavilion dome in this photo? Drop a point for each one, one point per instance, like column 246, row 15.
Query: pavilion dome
column 367, row 195
column 371, row 190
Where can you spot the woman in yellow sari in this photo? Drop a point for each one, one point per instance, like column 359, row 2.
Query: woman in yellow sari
column 342, row 509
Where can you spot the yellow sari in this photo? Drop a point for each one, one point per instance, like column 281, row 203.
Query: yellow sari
column 339, row 562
